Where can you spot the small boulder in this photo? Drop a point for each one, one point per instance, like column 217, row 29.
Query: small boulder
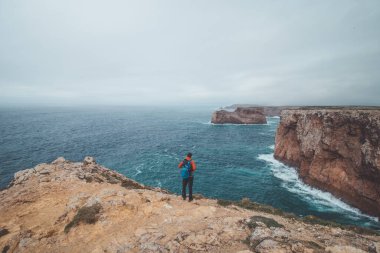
column 89, row 160
column 22, row 176
column 260, row 233
column 59, row 160
column 270, row 246
column 44, row 179
column 298, row 247
column 44, row 171
column 343, row 249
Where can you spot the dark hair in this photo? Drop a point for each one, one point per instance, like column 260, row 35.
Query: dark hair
column 189, row 154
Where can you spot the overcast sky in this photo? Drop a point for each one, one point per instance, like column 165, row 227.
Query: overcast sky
column 202, row 52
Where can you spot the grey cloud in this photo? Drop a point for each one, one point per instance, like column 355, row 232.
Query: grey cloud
column 194, row 52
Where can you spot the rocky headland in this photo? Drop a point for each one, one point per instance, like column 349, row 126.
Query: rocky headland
column 269, row 111
column 68, row 206
column 239, row 116
column 335, row 149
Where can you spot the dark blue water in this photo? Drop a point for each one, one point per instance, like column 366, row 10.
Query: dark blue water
column 146, row 144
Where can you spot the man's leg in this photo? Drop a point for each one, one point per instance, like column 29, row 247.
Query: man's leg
column 184, row 183
column 191, row 179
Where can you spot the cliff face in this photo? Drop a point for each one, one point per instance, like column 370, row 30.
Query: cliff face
column 239, row 116
column 83, row 207
column 337, row 150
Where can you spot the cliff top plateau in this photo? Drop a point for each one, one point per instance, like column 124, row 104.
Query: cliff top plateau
column 276, row 110
column 83, row 207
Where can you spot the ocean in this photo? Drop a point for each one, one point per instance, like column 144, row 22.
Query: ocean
column 146, row 144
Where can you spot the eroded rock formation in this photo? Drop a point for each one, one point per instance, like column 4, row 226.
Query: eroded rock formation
column 239, row 116
column 83, row 207
column 337, row 150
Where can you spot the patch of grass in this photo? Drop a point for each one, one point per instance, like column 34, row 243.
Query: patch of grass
column 223, row 202
column 361, row 230
column 88, row 179
column 112, row 179
column 86, row 214
column 248, row 204
column 310, row 219
column 129, row 184
column 313, row 245
column 198, row 196
column 267, row 221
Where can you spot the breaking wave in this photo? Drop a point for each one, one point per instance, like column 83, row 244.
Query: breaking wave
column 323, row 201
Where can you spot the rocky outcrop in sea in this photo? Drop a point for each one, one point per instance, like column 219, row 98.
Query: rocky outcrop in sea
column 67, row 206
column 239, row 116
column 335, row 149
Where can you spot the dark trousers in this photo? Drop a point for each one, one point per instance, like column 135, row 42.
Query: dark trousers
column 184, row 184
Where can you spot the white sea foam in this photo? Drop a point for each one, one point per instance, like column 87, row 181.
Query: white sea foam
column 323, row 200
column 137, row 169
column 271, row 147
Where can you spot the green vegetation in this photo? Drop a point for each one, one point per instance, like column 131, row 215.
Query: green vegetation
column 198, row 196
column 310, row 219
column 247, row 204
column 86, row 214
column 267, row 221
column 129, row 184
column 223, row 202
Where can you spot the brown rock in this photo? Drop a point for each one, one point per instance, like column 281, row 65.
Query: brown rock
column 337, row 150
column 89, row 160
column 343, row 249
column 239, row 116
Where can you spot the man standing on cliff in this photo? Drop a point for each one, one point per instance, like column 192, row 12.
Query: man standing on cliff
column 188, row 167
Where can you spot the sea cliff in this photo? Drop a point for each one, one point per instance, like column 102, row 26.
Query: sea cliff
column 335, row 149
column 239, row 116
column 67, row 206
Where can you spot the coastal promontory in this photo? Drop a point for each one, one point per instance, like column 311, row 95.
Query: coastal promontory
column 249, row 115
column 67, row 206
column 335, row 149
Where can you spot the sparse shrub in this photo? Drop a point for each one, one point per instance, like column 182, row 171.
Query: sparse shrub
column 269, row 222
column 198, row 196
column 310, row 219
column 310, row 244
column 245, row 201
column 3, row 231
column 223, row 202
column 129, row 184
column 86, row 214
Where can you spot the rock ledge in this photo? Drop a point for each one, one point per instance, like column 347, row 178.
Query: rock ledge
column 69, row 206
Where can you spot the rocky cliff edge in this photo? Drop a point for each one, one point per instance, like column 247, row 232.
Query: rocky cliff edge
column 83, row 207
column 337, row 150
